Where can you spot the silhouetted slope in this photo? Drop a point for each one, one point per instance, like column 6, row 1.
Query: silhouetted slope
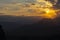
column 16, row 27
column 45, row 28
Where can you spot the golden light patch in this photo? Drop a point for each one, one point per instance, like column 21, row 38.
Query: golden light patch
column 49, row 13
column 47, row 9
column 44, row 3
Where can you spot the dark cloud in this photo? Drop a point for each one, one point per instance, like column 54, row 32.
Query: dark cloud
column 1, row 13
column 30, row 1
column 58, row 2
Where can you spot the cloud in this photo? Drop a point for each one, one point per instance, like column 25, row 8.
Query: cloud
column 26, row 9
column 13, row 8
column 17, row 1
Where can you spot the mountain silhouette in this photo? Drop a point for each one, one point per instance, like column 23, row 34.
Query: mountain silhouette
column 2, row 34
column 44, row 29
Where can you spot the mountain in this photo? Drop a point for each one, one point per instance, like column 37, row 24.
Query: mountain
column 30, row 27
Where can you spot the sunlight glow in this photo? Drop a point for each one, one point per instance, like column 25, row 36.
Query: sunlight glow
column 47, row 8
column 40, row 8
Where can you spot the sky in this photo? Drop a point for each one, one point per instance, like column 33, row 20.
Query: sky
column 22, row 1
column 4, row 4
column 22, row 7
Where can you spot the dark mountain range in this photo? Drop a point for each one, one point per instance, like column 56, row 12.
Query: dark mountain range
column 30, row 28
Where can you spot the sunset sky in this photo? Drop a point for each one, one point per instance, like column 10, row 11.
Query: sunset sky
column 24, row 7
column 12, row 6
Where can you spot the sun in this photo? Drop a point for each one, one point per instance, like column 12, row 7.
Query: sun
column 49, row 13
column 47, row 10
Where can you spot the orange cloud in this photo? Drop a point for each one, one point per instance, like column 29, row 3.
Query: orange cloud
column 40, row 8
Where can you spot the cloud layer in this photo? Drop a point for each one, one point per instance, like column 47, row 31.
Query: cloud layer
column 23, row 7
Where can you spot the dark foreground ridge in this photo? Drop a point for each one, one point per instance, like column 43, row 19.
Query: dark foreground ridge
column 45, row 29
column 2, row 34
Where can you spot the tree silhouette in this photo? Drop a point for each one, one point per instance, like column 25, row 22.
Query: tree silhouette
column 2, row 35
